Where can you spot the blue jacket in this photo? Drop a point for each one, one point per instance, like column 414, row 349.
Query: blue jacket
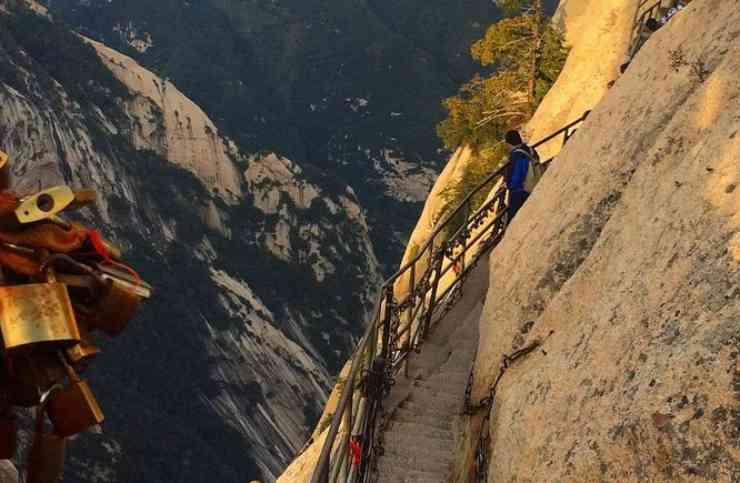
column 517, row 172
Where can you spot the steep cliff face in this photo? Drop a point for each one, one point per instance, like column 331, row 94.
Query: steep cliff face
column 625, row 263
column 173, row 126
column 224, row 373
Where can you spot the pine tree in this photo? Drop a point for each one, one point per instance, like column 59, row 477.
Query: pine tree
column 526, row 53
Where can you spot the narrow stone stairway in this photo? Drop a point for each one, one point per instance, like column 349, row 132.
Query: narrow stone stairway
column 421, row 435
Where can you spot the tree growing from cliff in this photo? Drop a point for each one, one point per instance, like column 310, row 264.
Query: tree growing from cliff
column 526, row 52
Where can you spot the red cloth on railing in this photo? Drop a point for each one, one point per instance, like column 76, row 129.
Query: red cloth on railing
column 355, row 450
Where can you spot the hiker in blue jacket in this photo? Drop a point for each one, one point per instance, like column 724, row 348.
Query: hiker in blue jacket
column 520, row 158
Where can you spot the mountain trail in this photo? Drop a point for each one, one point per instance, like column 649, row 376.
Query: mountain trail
column 424, row 409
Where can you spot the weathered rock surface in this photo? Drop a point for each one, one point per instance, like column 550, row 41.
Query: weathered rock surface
column 627, row 260
column 351, row 88
column 173, row 126
column 599, row 35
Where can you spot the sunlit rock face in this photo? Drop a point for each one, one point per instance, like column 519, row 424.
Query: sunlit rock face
column 173, row 126
column 624, row 263
column 261, row 285
column 598, row 34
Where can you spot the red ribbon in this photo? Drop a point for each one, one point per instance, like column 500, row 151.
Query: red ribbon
column 98, row 245
column 355, row 451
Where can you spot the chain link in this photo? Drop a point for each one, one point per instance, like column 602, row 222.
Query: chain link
column 487, row 403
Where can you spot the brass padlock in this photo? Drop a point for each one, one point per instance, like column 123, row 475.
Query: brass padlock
column 37, row 314
column 74, row 408
column 8, row 435
column 46, row 458
column 115, row 309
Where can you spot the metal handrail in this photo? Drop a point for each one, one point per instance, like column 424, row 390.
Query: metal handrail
column 441, row 226
column 641, row 17
column 387, row 342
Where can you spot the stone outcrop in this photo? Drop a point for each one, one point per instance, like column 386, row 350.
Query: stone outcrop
column 625, row 263
column 173, row 126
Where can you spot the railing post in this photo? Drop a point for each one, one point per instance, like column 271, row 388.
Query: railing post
column 464, row 239
column 372, row 348
column 323, row 477
column 347, row 464
column 387, row 318
column 412, row 298
column 433, row 295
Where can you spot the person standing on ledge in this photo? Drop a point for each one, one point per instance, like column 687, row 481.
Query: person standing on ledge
column 520, row 158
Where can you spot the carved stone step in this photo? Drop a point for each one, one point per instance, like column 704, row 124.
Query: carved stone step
column 425, row 408
column 406, row 416
column 414, row 444
column 401, row 464
column 441, row 397
column 401, row 475
column 420, row 429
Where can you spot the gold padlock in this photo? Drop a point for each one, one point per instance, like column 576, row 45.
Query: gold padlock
column 46, row 458
column 74, row 408
column 34, row 314
column 115, row 309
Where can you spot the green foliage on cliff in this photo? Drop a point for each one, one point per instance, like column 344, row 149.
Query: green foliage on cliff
column 527, row 53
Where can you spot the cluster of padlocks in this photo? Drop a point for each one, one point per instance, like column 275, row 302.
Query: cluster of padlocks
column 59, row 282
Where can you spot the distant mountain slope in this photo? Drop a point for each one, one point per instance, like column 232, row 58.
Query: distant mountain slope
column 351, row 87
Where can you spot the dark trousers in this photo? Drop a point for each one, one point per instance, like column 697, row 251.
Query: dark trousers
column 516, row 200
